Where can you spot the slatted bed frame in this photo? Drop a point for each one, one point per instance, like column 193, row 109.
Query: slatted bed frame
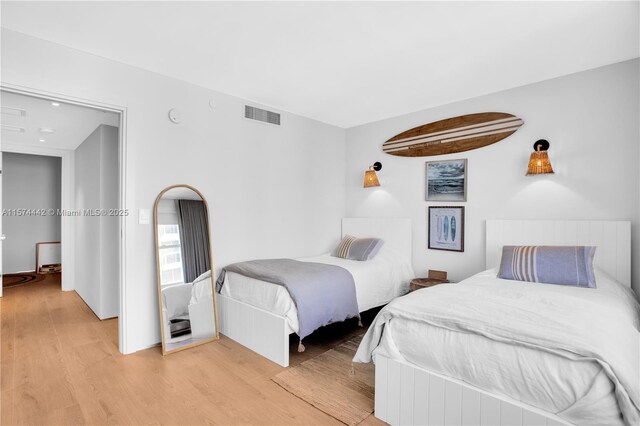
column 267, row 333
column 408, row 395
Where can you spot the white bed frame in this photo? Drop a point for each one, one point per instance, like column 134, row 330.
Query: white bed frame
column 408, row 395
column 267, row 333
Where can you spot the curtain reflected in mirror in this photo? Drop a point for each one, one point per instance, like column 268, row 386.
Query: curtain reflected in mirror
column 185, row 289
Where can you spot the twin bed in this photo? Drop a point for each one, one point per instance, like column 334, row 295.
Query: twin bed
column 488, row 351
column 261, row 315
column 485, row 350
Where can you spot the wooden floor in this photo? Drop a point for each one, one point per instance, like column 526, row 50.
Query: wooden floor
column 61, row 365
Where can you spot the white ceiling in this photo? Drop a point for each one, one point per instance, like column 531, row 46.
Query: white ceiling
column 344, row 63
column 181, row 193
column 71, row 124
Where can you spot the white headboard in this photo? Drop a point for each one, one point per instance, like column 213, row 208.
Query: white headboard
column 394, row 232
column 612, row 239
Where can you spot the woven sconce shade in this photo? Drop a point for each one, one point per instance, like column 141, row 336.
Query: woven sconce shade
column 371, row 179
column 539, row 163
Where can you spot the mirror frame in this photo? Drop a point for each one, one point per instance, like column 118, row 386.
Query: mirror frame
column 159, row 284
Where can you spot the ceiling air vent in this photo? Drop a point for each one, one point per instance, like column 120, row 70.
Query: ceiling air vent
column 254, row 113
column 13, row 111
column 10, row 128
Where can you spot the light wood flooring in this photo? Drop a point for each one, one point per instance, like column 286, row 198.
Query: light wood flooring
column 61, row 365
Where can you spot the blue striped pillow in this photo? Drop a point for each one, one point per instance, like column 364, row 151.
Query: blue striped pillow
column 564, row 265
column 353, row 248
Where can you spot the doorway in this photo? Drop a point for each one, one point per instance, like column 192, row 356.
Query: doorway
column 74, row 134
column 30, row 199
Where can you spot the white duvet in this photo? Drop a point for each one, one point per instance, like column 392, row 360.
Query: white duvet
column 570, row 351
column 201, row 288
column 377, row 282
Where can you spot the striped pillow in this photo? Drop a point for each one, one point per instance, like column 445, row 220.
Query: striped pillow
column 343, row 248
column 564, row 265
column 357, row 248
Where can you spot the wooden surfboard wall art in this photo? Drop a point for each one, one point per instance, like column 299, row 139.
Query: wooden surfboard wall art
column 451, row 135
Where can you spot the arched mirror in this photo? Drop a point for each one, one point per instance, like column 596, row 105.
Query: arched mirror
column 186, row 297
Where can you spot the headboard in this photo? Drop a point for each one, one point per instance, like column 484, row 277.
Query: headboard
column 612, row 239
column 394, row 232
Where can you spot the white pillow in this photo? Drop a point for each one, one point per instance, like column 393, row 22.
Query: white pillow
column 203, row 276
column 175, row 299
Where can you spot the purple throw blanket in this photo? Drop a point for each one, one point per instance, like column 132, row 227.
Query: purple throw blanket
column 323, row 294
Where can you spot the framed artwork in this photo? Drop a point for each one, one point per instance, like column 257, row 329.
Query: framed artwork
column 446, row 180
column 446, row 228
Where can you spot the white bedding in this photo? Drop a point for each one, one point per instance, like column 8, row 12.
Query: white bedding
column 377, row 281
column 201, row 289
column 566, row 350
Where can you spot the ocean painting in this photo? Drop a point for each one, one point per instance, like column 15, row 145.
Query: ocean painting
column 446, row 180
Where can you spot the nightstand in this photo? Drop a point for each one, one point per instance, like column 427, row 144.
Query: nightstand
column 433, row 278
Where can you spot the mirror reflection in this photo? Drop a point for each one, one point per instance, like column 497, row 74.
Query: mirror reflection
column 185, row 289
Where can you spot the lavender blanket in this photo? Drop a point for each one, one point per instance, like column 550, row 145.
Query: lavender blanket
column 323, row 294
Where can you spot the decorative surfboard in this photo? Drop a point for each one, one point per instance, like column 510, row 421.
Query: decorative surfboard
column 453, row 228
column 446, row 227
column 451, row 135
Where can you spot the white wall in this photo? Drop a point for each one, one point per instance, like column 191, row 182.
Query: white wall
column 87, row 228
column 29, row 182
column 110, row 252
column 591, row 121
column 96, row 236
column 272, row 191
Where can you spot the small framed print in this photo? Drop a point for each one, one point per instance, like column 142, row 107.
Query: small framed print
column 446, row 180
column 446, row 228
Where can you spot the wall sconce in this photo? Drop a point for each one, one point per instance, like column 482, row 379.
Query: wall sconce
column 539, row 163
column 370, row 176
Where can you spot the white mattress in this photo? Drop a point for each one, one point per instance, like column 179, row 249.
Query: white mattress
column 378, row 281
column 578, row 390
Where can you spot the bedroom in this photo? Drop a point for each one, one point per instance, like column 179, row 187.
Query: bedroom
column 282, row 191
